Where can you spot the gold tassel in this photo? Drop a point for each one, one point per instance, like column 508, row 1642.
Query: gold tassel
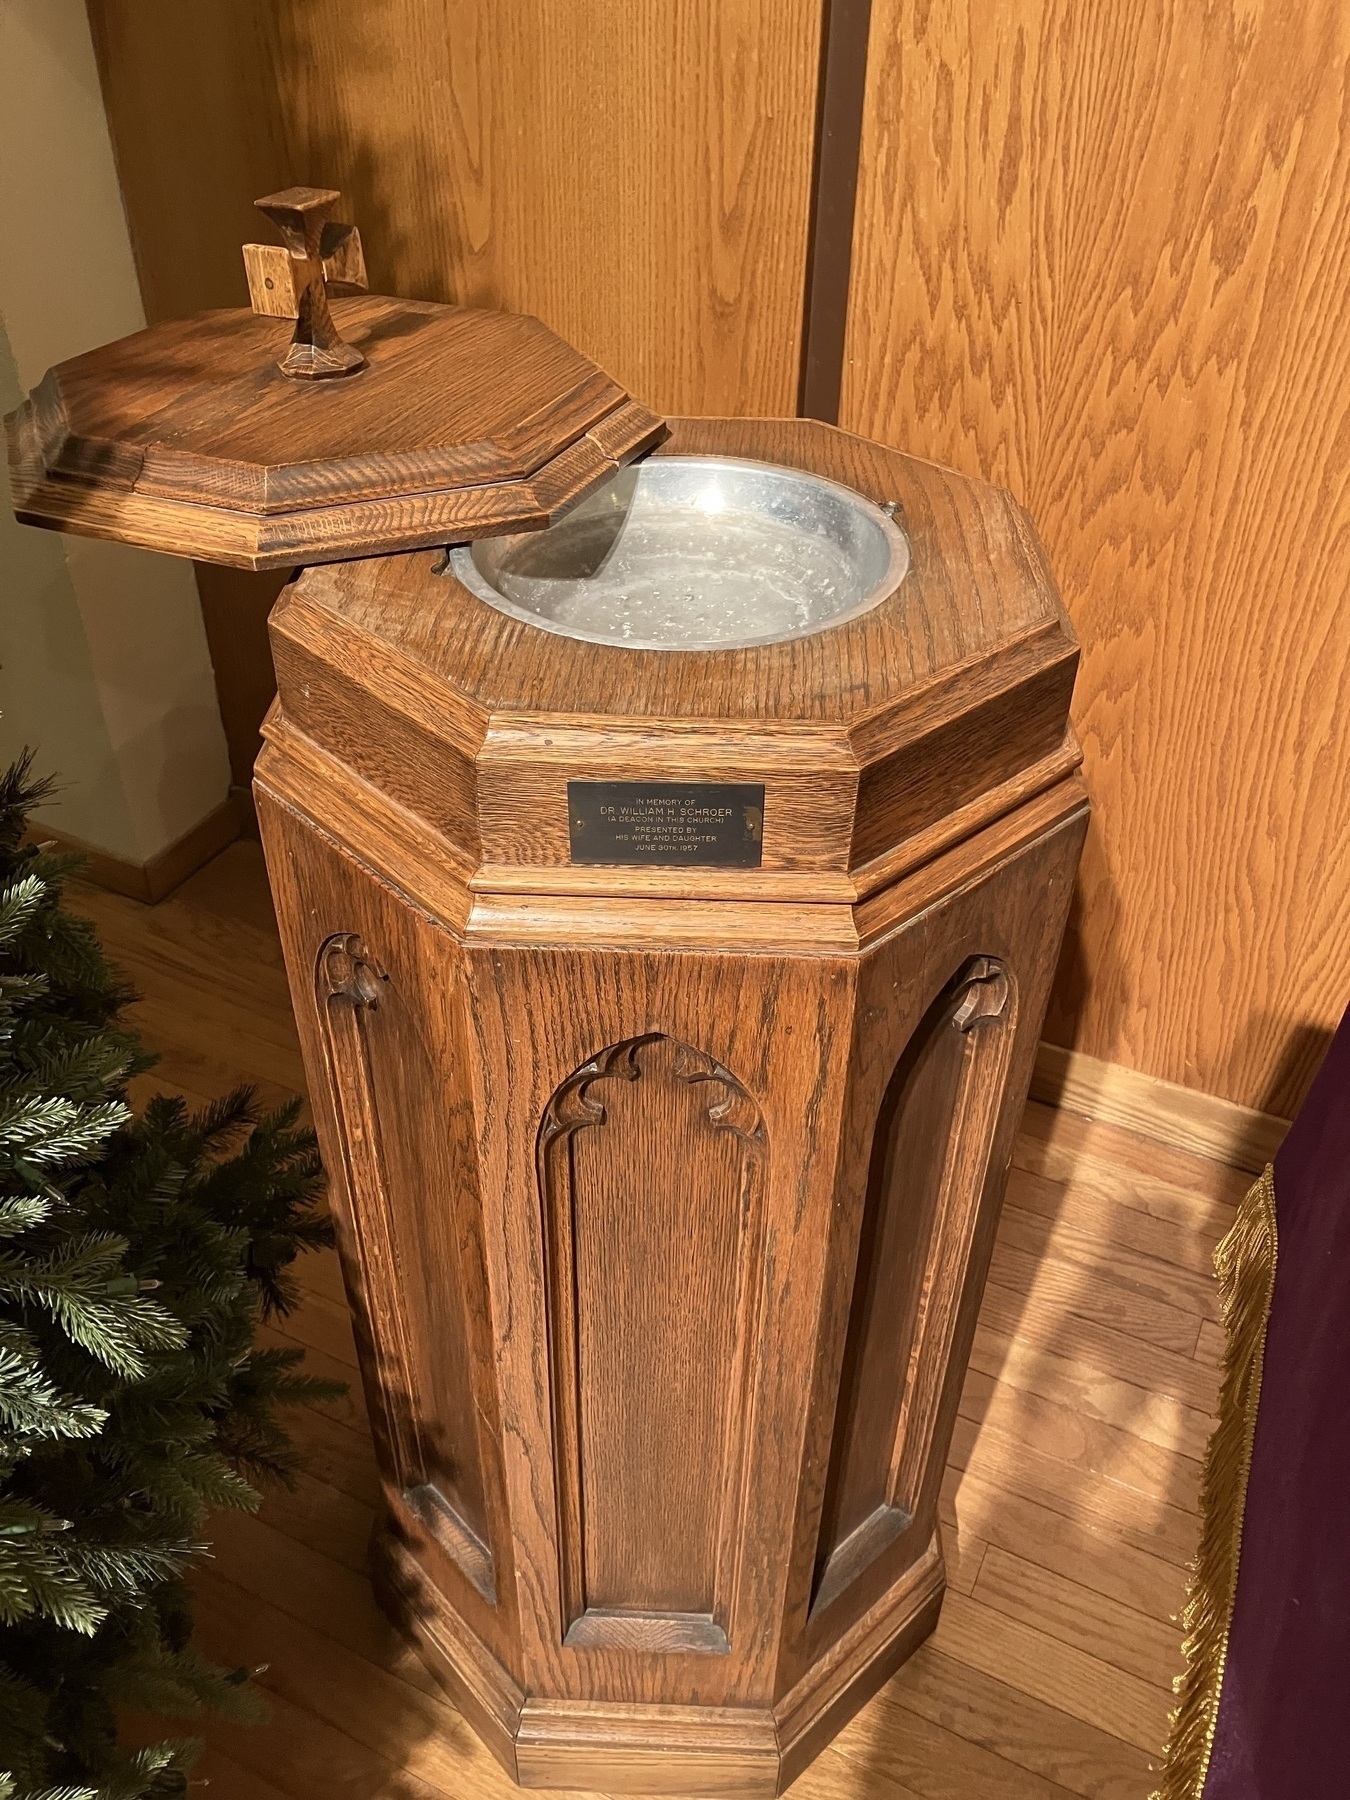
column 1245, row 1265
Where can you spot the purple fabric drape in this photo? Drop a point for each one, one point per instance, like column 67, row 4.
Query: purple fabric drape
column 1284, row 1715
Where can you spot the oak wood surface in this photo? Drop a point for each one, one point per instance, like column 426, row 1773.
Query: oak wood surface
column 294, row 284
column 452, row 397
column 945, row 1004
column 1038, row 1687
column 1102, row 255
column 1222, row 1129
column 978, row 583
column 188, row 437
column 620, row 1635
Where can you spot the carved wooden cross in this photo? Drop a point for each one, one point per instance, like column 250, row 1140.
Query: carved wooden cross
column 294, row 282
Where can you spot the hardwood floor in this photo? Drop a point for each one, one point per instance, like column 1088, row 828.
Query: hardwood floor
column 1069, row 1506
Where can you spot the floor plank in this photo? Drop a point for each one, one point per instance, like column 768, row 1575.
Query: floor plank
column 1137, row 1161
column 1169, row 1374
column 1152, row 1523
column 1083, row 1386
column 1073, row 1544
column 1073, row 1613
column 933, row 1760
column 1010, row 1420
column 1091, row 1292
column 1060, row 1674
column 1068, row 1507
column 993, row 1712
column 1209, row 1346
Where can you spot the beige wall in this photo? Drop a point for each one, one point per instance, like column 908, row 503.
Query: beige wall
column 103, row 660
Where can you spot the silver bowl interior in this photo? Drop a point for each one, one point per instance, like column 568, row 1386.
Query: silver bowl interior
column 695, row 553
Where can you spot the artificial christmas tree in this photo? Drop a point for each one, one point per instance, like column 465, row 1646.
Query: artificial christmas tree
column 137, row 1256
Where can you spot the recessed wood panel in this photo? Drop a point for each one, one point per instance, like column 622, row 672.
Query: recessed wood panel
column 925, row 1177
column 651, row 1165
column 384, row 1011
column 384, row 1076
column 1102, row 255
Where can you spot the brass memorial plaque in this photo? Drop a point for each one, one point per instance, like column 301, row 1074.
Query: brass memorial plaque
column 676, row 824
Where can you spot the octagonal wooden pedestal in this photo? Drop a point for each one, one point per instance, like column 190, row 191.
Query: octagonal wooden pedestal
column 667, row 1195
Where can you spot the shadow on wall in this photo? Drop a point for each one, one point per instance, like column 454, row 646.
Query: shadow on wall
column 1095, row 894
column 1292, row 1054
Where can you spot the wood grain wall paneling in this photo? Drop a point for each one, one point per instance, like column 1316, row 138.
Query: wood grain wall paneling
column 1102, row 255
column 637, row 176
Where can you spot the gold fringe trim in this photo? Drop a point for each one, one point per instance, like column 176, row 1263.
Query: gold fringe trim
column 1245, row 1265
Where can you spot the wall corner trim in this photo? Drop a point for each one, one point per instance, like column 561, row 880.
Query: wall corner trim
column 840, row 97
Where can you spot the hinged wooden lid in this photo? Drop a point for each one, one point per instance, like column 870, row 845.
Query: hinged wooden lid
column 384, row 424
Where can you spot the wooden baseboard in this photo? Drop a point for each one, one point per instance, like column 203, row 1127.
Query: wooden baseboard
column 1177, row 1116
column 151, row 881
column 618, row 1747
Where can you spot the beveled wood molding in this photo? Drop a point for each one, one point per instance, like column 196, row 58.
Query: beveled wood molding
column 717, row 1752
column 861, row 1660
column 1182, row 1118
column 319, row 534
column 485, row 1691
column 154, row 880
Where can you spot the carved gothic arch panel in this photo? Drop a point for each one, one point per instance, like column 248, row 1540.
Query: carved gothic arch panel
column 651, row 1165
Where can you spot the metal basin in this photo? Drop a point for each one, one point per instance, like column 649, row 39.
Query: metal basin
column 695, row 553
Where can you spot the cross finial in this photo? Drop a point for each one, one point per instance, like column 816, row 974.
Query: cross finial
column 293, row 283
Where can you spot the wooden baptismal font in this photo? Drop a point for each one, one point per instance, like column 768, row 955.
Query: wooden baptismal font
column 672, row 827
